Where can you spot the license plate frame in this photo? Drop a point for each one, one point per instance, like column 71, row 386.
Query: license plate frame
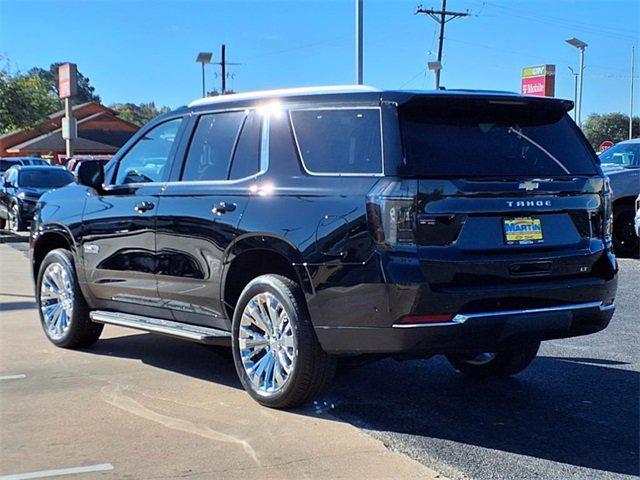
column 522, row 231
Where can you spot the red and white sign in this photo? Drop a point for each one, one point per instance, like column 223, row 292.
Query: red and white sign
column 607, row 144
column 67, row 80
column 539, row 81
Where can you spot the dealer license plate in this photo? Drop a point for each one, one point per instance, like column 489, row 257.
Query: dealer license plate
column 522, row 231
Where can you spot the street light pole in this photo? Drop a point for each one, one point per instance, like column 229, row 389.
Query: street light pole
column 202, row 58
column 359, row 42
column 580, row 45
column 633, row 54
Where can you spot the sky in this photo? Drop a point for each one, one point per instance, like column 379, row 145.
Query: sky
column 143, row 51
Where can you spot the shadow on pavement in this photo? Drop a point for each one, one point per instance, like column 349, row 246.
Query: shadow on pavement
column 180, row 356
column 9, row 306
column 566, row 410
column 576, row 411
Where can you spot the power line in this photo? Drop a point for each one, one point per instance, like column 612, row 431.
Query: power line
column 223, row 64
column 441, row 17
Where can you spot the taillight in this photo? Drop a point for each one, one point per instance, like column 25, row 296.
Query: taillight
column 391, row 212
column 607, row 213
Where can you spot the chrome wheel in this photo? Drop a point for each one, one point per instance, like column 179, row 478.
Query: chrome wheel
column 12, row 220
column 267, row 344
column 482, row 358
column 56, row 300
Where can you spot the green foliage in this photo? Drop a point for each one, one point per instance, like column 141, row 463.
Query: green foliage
column 24, row 101
column 86, row 93
column 138, row 114
column 610, row 126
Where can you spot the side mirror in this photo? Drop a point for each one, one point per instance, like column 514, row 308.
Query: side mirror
column 90, row 174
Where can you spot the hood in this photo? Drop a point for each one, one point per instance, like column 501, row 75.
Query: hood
column 610, row 169
column 33, row 192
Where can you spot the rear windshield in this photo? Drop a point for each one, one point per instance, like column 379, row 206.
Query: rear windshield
column 472, row 138
column 44, row 178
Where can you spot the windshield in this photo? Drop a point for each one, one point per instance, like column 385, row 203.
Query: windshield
column 44, row 178
column 484, row 138
column 621, row 155
column 6, row 165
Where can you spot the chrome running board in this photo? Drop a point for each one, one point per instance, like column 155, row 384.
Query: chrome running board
column 195, row 333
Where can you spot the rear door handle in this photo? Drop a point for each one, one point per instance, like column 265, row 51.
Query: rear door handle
column 223, row 207
column 144, row 207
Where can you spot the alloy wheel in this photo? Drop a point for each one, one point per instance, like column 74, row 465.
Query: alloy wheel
column 56, row 300
column 267, row 344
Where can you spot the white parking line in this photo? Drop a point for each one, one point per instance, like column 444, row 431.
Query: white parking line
column 12, row 377
column 101, row 467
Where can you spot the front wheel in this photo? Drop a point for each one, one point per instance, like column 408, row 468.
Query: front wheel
column 15, row 222
column 503, row 363
column 64, row 313
column 275, row 350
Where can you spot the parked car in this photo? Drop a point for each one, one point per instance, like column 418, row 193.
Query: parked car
column 621, row 163
column 73, row 163
column 637, row 220
column 303, row 225
column 7, row 162
column 22, row 187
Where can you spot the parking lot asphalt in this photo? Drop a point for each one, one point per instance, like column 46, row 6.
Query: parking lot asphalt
column 143, row 406
column 574, row 413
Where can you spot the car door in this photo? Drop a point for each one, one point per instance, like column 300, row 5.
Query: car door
column 200, row 211
column 118, row 235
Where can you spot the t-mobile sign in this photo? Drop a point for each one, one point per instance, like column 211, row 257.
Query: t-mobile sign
column 539, row 80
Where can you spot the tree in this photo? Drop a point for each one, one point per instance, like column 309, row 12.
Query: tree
column 138, row 114
column 610, row 126
column 86, row 92
column 24, row 101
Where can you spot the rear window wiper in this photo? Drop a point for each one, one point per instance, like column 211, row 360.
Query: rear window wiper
column 536, row 144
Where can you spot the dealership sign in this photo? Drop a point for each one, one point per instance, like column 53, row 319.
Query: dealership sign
column 539, row 80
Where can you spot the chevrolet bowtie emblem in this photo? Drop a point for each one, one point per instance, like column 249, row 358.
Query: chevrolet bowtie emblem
column 528, row 186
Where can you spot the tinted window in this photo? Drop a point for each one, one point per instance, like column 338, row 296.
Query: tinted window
column 211, row 146
column 339, row 141
column 622, row 154
column 455, row 138
column 246, row 159
column 7, row 164
column 147, row 160
column 44, row 178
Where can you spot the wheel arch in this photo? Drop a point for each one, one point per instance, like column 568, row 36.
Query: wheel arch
column 49, row 238
column 251, row 256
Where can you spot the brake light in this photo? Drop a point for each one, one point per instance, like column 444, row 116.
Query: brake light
column 391, row 212
column 440, row 318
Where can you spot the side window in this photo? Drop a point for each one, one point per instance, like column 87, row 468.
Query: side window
column 212, row 146
column 339, row 140
column 148, row 159
column 246, row 159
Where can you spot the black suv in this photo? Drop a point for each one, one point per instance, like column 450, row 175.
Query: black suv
column 301, row 226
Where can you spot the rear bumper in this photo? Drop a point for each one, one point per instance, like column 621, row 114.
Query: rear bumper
column 487, row 331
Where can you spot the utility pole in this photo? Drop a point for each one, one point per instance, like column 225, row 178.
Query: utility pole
column 223, row 63
column 633, row 54
column 441, row 17
column 359, row 43
column 575, row 94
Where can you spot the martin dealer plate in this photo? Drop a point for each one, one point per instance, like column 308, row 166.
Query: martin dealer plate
column 522, row 231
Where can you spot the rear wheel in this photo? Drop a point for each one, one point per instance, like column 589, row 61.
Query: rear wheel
column 503, row 363
column 275, row 350
column 625, row 240
column 64, row 313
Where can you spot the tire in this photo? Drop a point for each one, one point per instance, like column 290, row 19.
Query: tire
column 70, row 325
column 3, row 223
column 293, row 344
column 503, row 363
column 625, row 240
column 15, row 222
